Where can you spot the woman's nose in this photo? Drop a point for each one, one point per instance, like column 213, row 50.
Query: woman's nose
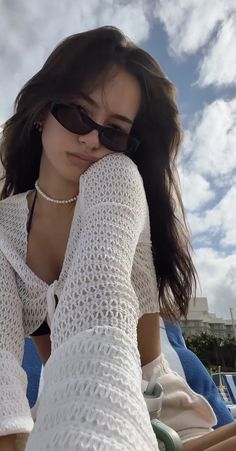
column 91, row 139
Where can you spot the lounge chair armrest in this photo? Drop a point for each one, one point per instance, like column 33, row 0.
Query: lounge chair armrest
column 167, row 435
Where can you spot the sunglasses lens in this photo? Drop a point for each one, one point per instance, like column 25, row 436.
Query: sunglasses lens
column 114, row 140
column 119, row 141
column 70, row 118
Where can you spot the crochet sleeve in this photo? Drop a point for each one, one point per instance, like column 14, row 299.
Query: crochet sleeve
column 92, row 397
column 15, row 416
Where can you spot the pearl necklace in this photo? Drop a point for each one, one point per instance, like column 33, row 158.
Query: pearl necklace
column 55, row 201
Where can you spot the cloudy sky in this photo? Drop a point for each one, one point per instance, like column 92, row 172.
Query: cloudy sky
column 194, row 41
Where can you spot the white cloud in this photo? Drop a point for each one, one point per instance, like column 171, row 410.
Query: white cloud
column 216, row 227
column 189, row 24
column 192, row 25
column 219, row 221
column 217, row 274
column 196, row 190
column 218, row 67
column 224, row 215
column 30, row 30
column 208, row 175
column 210, row 146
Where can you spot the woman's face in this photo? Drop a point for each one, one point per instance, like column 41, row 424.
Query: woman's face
column 62, row 149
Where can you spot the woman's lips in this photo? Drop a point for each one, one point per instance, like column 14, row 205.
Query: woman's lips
column 77, row 160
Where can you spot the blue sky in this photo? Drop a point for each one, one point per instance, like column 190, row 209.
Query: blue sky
column 194, row 42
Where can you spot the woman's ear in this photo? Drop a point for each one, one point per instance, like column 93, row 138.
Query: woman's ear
column 43, row 115
column 39, row 126
column 39, row 123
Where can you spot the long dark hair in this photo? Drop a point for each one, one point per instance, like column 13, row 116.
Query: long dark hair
column 83, row 60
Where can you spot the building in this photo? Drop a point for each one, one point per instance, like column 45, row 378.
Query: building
column 200, row 320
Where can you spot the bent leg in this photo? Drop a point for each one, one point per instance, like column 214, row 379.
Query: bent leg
column 216, row 437
column 229, row 445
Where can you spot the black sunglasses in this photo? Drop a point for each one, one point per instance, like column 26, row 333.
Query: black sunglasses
column 74, row 118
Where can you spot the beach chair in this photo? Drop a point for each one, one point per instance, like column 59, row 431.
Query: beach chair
column 167, row 435
column 226, row 384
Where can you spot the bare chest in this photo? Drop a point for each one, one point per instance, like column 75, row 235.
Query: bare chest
column 47, row 244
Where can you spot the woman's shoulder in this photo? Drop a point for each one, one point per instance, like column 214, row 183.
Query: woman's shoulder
column 114, row 178
column 112, row 165
column 13, row 210
column 13, row 201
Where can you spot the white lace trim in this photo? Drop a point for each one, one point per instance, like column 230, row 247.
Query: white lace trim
column 15, row 415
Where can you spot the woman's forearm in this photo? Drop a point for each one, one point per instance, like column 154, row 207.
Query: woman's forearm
column 8, row 442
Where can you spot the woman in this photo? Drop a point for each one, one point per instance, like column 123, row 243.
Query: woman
column 90, row 159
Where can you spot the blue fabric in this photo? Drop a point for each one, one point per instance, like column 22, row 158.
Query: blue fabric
column 32, row 366
column 196, row 374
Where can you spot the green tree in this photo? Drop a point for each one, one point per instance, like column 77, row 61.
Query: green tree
column 214, row 351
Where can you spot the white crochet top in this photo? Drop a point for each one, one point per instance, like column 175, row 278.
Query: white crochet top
column 92, row 397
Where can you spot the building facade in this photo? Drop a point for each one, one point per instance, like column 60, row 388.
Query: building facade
column 200, row 320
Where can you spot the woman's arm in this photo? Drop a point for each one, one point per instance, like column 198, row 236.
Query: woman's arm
column 8, row 443
column 92, row 396
column 15, row 413
column 148, row 334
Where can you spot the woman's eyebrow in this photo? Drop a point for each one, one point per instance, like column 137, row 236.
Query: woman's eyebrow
column 116, row 116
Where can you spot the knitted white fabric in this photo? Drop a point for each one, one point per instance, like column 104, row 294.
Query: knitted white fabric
column 14, row 408
column 92, row 396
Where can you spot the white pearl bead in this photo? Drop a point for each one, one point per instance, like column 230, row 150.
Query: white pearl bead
column 55, row 201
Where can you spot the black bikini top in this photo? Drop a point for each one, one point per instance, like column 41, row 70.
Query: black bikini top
column 44, row 328
column 29, row 222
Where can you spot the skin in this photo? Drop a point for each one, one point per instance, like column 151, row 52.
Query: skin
column 222, row 439
column 7, row 443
